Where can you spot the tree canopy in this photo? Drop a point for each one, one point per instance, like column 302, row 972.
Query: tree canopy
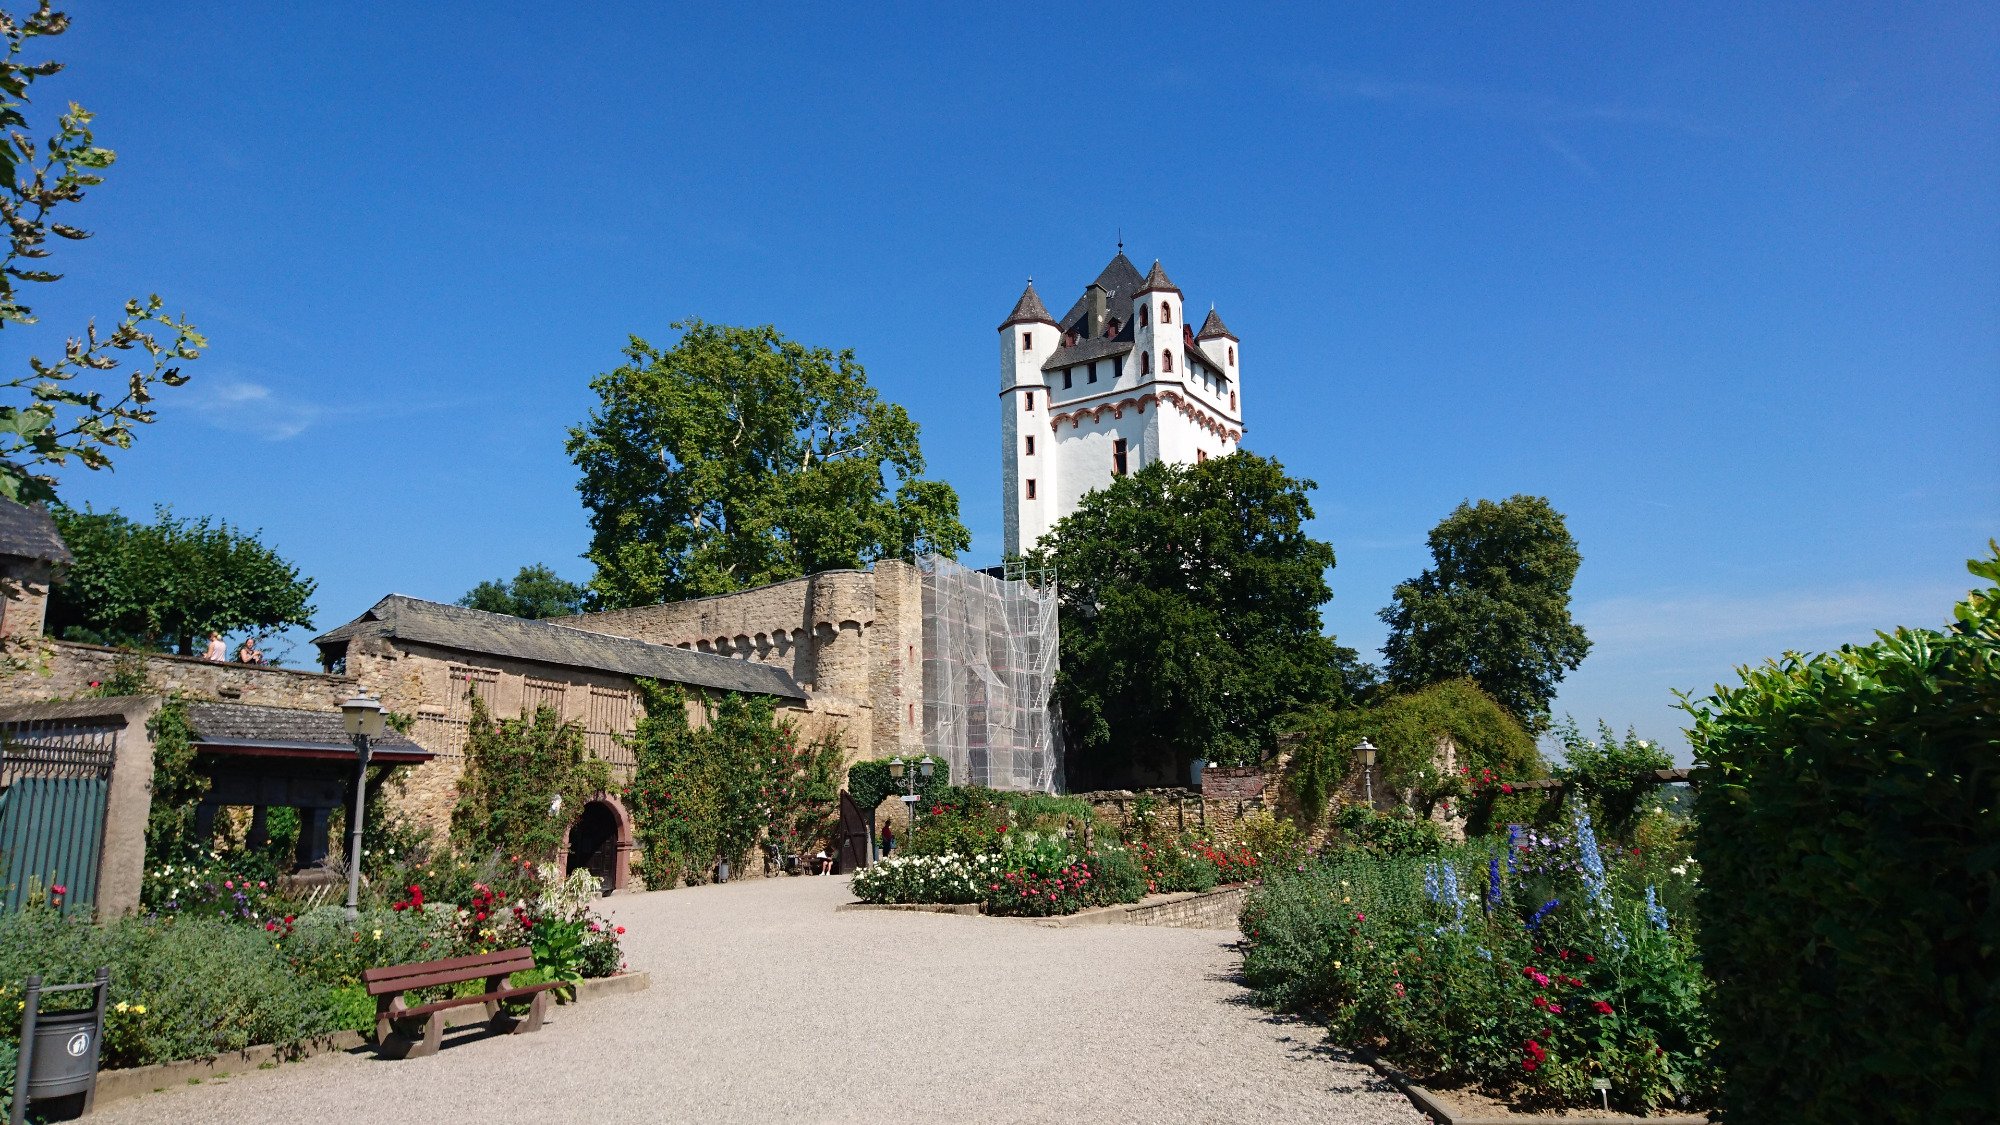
column 535, row 593
column 1494, row 606
column 739, row 457
column 1189, row 605
column 47, row 417
column 163, row 584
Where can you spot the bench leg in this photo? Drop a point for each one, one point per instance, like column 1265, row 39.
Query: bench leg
column 536, row 1010
column 392, row 1042
column 433, row 1036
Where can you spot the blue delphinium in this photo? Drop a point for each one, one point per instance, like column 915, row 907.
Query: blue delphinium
column 1543, row 912
column 1492, row 884
column 1513, row 846
column 1448, row 890
column 1431, row 881
column 1655, row 913
column 1588, row 858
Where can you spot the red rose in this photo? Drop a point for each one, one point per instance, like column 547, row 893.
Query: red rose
column 1603, row 1009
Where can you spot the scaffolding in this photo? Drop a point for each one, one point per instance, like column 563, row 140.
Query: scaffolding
column 989, row 673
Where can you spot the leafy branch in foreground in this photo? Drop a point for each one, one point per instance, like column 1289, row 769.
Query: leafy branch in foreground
column 51, row 417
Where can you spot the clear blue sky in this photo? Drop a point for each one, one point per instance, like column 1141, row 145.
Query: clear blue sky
column 1722, row 284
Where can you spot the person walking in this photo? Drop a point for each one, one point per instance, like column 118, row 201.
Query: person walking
column 888, row 837
column 216, row 650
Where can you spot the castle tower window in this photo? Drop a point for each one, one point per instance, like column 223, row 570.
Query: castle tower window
column 1027, row 341
column 1118, row 459
column 1142, row 316
column 1031, row 445
column 1166, row 361
column 1093, row 372
column 1146, row 364
column 1166, row 313
column 1031, row 488
column 1232, row 356
column 1200, row 455
column 1031, row 400
column 1066, row 380
column 1232, row 400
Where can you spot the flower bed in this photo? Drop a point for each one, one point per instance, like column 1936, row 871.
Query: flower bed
column 1526, row 972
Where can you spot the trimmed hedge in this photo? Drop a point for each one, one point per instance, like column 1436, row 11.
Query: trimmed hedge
column 1850, row 840
column 869, row 783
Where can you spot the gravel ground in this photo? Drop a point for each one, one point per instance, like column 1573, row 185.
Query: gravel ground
column 767, row 1005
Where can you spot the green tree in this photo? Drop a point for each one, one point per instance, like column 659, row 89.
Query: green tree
column 1493, row 606
column 1611, row 773
column 535, row 593
column 515, row 769
column 739, row 457
column 47, row 416
column 164, row 584
column 1190, row 600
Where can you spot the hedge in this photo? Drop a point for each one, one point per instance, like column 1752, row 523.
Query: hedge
column 1850, row 842
column 869, row 783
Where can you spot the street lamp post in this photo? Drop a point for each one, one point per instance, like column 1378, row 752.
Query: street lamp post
column 364, row 721
column 906, row 772
column 1368, row 770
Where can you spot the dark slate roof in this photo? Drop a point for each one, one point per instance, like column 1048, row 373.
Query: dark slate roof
column 496, row 634
column 1213, row 326
column 1029, row 309
column 1156, row 279
column 29, row 532
column 283, row 728
column 1086, row 350
column 1120, row 282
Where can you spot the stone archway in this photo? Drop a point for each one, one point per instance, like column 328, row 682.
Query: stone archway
column 600, row 840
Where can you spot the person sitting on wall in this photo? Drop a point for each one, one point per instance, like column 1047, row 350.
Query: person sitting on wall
column 216, row 650
column 249, row 653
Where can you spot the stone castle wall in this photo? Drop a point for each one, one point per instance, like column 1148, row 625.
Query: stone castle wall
column 45, row 669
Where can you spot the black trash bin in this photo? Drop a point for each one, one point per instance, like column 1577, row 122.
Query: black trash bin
column 65, row 1058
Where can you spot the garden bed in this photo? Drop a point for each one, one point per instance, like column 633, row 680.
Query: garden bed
column 131, row 1082
column 1466, row 1106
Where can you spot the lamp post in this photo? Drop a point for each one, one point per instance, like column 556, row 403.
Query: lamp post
column 906, row 772
column 364, row 721
column 1368, row 769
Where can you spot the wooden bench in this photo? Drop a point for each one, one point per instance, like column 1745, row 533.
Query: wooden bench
column 396, row 1024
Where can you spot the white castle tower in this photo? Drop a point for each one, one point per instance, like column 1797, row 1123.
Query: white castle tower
column 1120, row 381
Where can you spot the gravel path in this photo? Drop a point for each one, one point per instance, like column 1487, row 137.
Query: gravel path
column 767, row 1005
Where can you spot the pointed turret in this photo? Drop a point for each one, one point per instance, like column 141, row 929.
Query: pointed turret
column 1156, row 281
column 1029, row 309
column 1213, row 327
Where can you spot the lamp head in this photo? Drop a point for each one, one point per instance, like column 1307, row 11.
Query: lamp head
column 1367, row 753
column 896, row 768
column 364, row 716
column 927, row 768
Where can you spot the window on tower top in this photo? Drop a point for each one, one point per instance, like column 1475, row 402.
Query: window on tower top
column 1232, row 357
column 1118, row 459
column 1146, row 363
column 1232, row 400
column 1142, row 316
column 1066, row 380
column 1027, row 341
column 1093, row 372
column 1166, row 313
column 1031, row 445
column 1166, row 361
column 1031, row 488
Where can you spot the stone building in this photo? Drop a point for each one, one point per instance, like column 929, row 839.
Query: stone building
column 428, row 660
column 1122, row 379
column 31, row 552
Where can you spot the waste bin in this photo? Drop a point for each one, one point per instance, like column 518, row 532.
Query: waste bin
column 65, row 1056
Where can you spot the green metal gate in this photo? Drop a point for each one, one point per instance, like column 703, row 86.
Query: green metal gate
column 57, row 777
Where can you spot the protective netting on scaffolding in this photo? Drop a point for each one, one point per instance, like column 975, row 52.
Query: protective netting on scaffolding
column 989, row 669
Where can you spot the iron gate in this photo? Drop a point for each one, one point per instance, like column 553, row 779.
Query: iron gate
column 55, row 778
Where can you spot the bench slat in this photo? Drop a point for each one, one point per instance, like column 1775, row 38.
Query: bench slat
column 451, row 970
column 462, row 1001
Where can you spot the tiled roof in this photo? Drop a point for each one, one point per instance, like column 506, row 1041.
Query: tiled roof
column 1156, row 279
column 1029, row 309
column 1213, row 326
column 1120, row 281
column 1084, row 351
column 496, row 634
column 283, row 728
column 27, row 531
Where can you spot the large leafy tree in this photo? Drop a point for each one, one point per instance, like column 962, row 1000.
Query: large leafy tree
column 739, row 457
column 1493, row 606
column 51, row 412
column 537, row 592
column 162, row 585
column 1189, row 605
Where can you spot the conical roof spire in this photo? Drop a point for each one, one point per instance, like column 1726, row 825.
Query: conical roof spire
column 1213, row 326
column 1156, row 279
column 1029, row 309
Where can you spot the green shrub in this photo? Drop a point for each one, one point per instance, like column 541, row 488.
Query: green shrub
column 869, row 783
column 1851, row 852
column 190, row 987
column 1396, row 832
column 1609, row 773
column 513, row 767
column 324, row 947
column 1118, row 874
column 963, row 820
column 704, row 795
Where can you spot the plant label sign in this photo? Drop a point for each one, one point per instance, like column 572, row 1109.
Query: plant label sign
column 909, row 798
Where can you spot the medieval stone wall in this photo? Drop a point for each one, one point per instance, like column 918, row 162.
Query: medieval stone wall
column 51, row 669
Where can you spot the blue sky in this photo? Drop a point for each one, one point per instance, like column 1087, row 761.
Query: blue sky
column 1723, row 284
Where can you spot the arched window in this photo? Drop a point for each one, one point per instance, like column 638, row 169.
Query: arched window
column 1142, row 316
column 1166, row 313
column 1166, row 361
column 1146, row 363
column 1232, row 356
column 1232, row 400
